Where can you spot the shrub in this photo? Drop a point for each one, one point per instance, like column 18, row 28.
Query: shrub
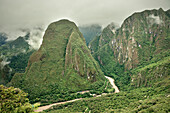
column 13, row 100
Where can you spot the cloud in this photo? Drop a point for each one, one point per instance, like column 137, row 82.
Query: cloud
column 19, row 16
column 155, row 19
column 4, row 61
column 35, row 37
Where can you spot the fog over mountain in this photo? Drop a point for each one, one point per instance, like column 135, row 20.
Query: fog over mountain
column 20, row 17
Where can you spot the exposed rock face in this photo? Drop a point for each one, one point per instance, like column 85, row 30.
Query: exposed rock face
column 140, row 37
column 63, row 59
column 152, row 74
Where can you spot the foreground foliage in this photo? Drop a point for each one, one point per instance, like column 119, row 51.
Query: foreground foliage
column 13, row 100
column 155, row 99
column 152, row 93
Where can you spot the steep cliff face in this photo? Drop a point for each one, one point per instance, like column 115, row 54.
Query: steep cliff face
column 152, row 74
column 141, row 37
column 105, row 37
column 63, row 62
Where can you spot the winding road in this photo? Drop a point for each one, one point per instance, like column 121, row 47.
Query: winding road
column 42, row 108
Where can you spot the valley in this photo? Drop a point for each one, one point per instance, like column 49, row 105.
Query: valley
column 89, row 69
column 42, row 108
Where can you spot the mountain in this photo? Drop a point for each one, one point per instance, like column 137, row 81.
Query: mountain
column 142, row 40
column 14, row 47
column 14, row 58
column 136, row 55
column 62, row 65
column 90, row 31
column 106, row 35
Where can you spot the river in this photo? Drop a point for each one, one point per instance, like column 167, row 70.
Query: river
column 111, row 80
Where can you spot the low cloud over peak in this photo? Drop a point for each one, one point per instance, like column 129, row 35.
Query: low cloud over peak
column 18, row 16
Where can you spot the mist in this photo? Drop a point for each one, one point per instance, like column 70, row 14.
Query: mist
column 155, row 19
column 20, row 16
column 4, row 61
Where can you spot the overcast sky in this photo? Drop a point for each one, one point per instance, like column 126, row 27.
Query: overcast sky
column 27, row 14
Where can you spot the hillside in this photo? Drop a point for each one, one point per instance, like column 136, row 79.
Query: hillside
column 62, row 65
column 100, row 40
column 137, row 56
column 14, row 58
column 142, row 39
column 141, row 100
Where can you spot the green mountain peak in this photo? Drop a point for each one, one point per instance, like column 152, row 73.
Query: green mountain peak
column 142, row 39
column 62, row 62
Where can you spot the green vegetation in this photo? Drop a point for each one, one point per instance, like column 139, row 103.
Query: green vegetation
column 136, row 55
column 63, row 65
column 104, row 38
column 19, row 63
column 56, row 94
column 13, row 100
column 155, row 99
column 111, row 68
column 12, row 48
column 152, row 97
column 94, row 44
column 16, row 53
column 149, row 74
column 139, row 42
column 5, row 73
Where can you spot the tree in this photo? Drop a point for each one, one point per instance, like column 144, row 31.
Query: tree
column 13, row 100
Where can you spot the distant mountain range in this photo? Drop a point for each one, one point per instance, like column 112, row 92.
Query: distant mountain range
column 14, row 57
column 90, row 31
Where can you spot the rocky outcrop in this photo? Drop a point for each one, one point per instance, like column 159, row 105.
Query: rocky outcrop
column 151, row 74
column 140, row 37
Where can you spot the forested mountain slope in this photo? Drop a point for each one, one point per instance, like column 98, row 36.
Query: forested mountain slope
column 142, row 39
column 63, row 64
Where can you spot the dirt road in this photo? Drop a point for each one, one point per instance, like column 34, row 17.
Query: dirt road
column 48, row 106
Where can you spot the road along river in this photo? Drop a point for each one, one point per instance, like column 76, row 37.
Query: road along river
column 42, row 108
